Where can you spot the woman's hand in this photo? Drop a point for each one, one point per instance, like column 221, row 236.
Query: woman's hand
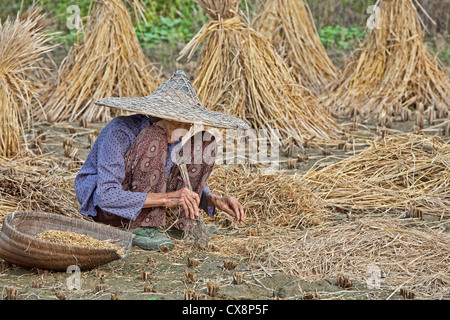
column 228, row 204
column 185, row 198
column 189, row 201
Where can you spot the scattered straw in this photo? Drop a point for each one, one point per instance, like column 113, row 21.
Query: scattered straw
column 36, row 183
column 410, row 257
column 395, row 174
column 270, row 201
column 75, row 239
column 289, row 26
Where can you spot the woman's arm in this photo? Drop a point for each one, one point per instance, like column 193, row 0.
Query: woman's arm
column 110, row 195
column 155, row 200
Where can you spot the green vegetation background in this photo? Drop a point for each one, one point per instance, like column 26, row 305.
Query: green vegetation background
column 172, row 23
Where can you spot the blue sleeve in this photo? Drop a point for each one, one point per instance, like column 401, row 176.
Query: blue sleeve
column 211, row 211
column 110, row 195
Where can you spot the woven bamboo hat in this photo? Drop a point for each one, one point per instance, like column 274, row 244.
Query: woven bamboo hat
column 175, row 100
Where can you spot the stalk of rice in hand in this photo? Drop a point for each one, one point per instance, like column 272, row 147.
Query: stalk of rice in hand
column 195, row 232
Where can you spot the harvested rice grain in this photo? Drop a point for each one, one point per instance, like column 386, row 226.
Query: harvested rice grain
column 76, row 239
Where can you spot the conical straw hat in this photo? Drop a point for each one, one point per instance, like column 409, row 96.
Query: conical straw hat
column 175, row 100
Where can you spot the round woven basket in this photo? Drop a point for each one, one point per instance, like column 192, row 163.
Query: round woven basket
column 19, row 246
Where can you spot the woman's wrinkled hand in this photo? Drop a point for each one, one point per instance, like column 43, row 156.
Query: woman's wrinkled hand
column 228, row 204
column 187, row 199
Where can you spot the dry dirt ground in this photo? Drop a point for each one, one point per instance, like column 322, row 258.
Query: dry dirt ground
column 164, row 271
column 124, row 279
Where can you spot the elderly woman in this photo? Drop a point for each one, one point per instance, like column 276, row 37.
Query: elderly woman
column 131, row 177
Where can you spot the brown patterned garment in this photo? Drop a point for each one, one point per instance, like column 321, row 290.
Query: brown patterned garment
column 145, row 172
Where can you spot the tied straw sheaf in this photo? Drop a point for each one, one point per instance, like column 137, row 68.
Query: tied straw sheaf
column 42, row 75
column 107, row 62
column 289, row 26
column 22, row 44
column 241, row 74
column 392, row 72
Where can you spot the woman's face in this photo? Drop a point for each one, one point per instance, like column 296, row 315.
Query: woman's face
column 176, row 130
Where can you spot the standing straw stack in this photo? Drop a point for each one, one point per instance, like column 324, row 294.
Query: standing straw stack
column 241, row 74
column 289, row 26
column 108, row 62
column 43, row 75
column 392, row 72
column 22, row 43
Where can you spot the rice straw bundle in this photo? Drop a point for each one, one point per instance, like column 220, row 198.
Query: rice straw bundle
column 42, row 76
column 396, row 174
column 392, row 72
column 241, row 74
column 270, row 201
column 36, row 183
column 289, row 26
column 108, row 62
column 76, row 239
column 22, row 43
column 36, row 13
column 410, row 257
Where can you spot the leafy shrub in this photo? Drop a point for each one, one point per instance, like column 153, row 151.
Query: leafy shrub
column 340, row 37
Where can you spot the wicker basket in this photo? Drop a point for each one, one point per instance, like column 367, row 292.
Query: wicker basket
column 19, row 246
